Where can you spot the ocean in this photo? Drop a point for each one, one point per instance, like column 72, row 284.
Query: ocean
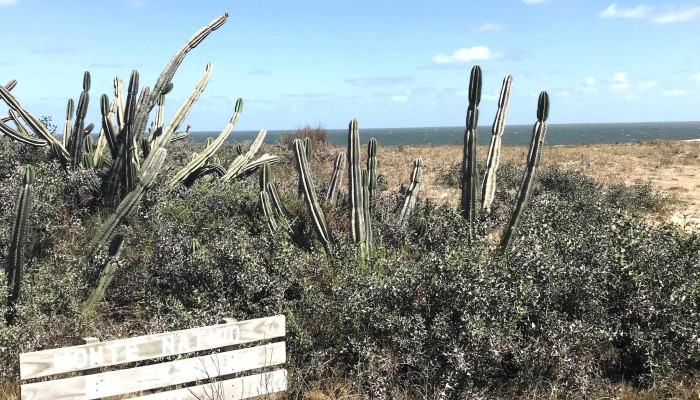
column 516, row 135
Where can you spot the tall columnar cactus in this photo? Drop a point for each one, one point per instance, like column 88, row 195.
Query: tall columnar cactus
column 266, row 206
column 412, row 194
column 469, row 172
column 264, row 176
column 488, row 188
column 149, row 173
column 237, row 166
column 75, row 140
column 312, row 204
column 308, row 149
column 533, row 160
column 365, row 210
column 336, row 178
column 372, row 168
column 15, row 257
column 357, row 218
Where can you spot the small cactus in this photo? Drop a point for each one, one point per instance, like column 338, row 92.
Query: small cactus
column 264, row 176
column 267, row 211
column 336, row 178
column 412, row 194
column 372, row 169
column 75, row 139
column 488, row 189
column 533, row 160
column 365, row 210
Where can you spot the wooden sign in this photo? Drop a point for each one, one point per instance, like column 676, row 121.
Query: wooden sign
column 182, row 371
column 77, row 358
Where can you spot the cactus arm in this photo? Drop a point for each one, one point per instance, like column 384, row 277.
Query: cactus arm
column 106, row 276
column 310, row 199
column 181, row 113
column 253, row 165
column 336, row 178
column 372, row 168
column 264, row 176
column 267, row 210
column 234, row 169
column 11, row 84
column 128, row 205
column 357, row 219
column 15, row 259
column 36, row 126
column 469, row 172
column 539, row 131
column 75, row 139
column 17, row 119
column 488, row 190
column 210, row 149
column 67, row 128
column 413, row 189
column 278, row 206
column 119, row 99
column 365, row 210
column 169, row 71
column 18, row 136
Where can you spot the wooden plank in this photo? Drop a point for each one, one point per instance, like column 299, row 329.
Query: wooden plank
column 238, row 388
column 103, row 354
column 156, row 376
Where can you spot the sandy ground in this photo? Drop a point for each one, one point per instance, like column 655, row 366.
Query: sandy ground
column 673, row 168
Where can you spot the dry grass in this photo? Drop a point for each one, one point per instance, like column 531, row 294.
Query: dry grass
column 673, row 168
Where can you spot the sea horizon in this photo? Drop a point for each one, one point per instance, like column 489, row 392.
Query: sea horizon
column 515, row 135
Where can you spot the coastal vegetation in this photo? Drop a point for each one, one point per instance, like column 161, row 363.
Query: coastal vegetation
column 540, row 282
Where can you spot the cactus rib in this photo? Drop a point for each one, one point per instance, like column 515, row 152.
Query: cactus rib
column 310, row 199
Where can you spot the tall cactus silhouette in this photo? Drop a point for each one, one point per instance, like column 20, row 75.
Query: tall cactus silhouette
column 319, row 220
column 533, row 160
column 413, row 189
column 372, row 169
column 15, row 257
column 336, row 178
column 469, row 172
column 488, row 189
column 357, row 218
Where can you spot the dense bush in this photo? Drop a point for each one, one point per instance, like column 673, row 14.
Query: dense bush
column 590, row 293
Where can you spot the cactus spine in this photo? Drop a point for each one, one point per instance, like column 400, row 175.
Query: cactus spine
column 469, row 172
column 372, row 168
column 533, row 160
column 488, row 189
column 15, row 259
column 314, row 208
column 336, row 178
column 413, row 189
column 357, row 218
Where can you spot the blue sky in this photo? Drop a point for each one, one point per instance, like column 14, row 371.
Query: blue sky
column 386, row 63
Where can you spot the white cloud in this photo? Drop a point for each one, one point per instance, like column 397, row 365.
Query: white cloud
column 646, row 85
column 631, row 90
column 586, row 89
column 620, row 77
column 695, row 77
column 688, row 14
column 620, row 82
column 533, row 1
column 400, row 98
column 466, row 55
column 590, row 80
column 636, row 12
column 488, row 27
column 7, row 2
column 673, row 92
